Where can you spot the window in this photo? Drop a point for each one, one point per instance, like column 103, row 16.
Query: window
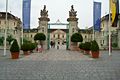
column 42, row 29
column 63, row 35
column 54, row 35
column 85, row 36
column 103, row 41
column 58, row 36
column 73, row 30
column 14, row 23
column 103, row 33
column 0, row 22
column 31, row 35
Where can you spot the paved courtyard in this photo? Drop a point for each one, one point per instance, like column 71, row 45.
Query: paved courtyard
column 60, row 65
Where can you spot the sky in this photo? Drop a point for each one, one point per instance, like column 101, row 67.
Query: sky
column 57, row 9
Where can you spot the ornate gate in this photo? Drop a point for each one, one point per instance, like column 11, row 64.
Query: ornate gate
column 67, row 33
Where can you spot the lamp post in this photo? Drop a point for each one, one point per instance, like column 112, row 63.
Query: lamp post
column 6, row 25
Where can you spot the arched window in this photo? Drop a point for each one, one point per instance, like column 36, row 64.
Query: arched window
column 58, row 36
column 85, row 36
column 14, row 23
column 42, row 29
column 63, row 35
column 54, row 35
column 73, row 30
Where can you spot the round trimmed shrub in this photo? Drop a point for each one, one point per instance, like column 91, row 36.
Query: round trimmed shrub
column 87, row 46
column 76, row 37
column 40, row 37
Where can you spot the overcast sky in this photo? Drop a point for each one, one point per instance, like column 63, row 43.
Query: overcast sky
column 57, row 9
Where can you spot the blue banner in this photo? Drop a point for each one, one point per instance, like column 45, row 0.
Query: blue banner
column 97, row 16
column 26, row 14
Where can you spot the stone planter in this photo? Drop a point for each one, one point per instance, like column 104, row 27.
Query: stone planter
column 14, row 55
column 95, row 54
column 87, row 52
column 74, row 47
column 26, row 52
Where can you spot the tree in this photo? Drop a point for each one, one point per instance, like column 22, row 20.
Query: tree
column 41, row 37
column 76, row 37
column 1, row 40
column 87, row 46
column 14, row 47
column 10, row 39
column 94, row 46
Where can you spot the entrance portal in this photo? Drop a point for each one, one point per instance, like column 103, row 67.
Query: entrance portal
column 60, row 37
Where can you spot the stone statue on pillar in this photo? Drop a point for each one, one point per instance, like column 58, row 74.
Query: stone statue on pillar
column 73, row 23
column 44, row 12
column 43, row 25
column 72, row 12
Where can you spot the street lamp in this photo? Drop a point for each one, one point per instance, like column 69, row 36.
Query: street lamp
column 6, row 25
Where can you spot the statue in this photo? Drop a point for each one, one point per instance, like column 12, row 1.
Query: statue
column 72, row 12
column 44, row 13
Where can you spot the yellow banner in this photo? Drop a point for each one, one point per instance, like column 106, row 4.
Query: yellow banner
column 113, row 9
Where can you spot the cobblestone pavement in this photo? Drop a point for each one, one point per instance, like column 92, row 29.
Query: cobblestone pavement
column 56, row 55
column 61, row 65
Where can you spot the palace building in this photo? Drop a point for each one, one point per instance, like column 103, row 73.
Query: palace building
column 13, row 25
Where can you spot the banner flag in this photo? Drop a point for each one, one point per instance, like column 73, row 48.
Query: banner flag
column 26, row 14
column 114, row 6
column 96, row 16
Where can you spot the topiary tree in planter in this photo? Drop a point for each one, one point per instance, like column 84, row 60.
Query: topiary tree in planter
column 41, row 37
column 25, row 47
column 87, row 47
column 81, row 46
column 75, row 38
column 32, row 46
column 94, row 49
column 14, row 49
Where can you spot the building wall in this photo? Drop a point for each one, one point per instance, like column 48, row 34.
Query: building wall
column 102, row 36
column 29, row 36
column 13, row 22
column 58, row 36
column 73, row 25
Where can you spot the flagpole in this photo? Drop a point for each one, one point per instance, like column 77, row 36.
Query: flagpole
column 93, row 33
column 6, row 25
column 109, row 30
column 22, row 33
column 93, row 22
